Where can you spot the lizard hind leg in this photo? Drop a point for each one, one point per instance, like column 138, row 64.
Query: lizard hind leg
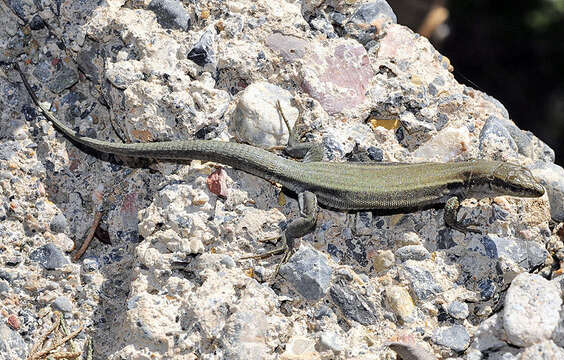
column 301, row 150
column 295, row 230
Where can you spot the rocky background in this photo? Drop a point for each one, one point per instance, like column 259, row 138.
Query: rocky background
column 163, row 278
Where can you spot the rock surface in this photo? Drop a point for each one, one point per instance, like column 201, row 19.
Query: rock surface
column 166, row 280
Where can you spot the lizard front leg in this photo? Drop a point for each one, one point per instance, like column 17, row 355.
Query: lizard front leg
column 451, row 217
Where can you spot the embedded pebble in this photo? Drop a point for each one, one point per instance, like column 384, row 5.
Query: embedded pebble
column 531, row 312
column 256, row 119
column 12, row 345
column 551, row 177
column 63, row 79
column 308, row 272
column 421, row 281
column 170, row 14
column 409, row 351
column 228, row 261
column 202, row 53
column 58, row 223
column 527, row 254
column 49, row 256
column 331, row 340
column 289, row 47
column 353, row 305
column 489, row 334
column 366, row 22
column 196, row 246
column 384, row 259
column 447, row 145
column 63, row 304
column 401, row 303
column 454, row 337
column 495, row 136
column 337, row 76
column 36, row 23
column 412, row 252
column 458, row 310
column 546, row 350
column 300, row 347
column 4, row 287
column 90, row 263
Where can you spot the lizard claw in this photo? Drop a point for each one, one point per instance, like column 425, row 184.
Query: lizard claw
column 285, row 250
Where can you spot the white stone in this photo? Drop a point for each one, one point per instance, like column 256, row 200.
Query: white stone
column 256, row 119
column 531, row 310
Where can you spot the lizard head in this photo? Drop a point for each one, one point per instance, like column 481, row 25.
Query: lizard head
column 514, row 180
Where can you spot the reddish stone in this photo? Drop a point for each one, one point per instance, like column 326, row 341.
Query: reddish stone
column 129, row 211
column 14, row 322
column 216, row 182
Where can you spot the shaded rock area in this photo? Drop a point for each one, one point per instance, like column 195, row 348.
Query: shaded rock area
column 163, row 277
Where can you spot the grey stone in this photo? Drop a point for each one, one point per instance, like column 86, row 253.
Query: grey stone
column 63, row 304
column 523, row 139
column 362, row 24
column 458, row 310
column 474, row 354
column 90, row 264
column 453, row 337
column 49, row 256
column 527, row 254
column 495, row 132
column 558, row 334
column 170, row 14
column 333, row 148
column 489, row 335
column 353, row 305
column 4, row 287
column 375, row 154
column 308, row 272
column 505, row 353
column 64, row 79
column 421, row 282
column 228, row 261
column 551, row 177
column 202, row 52
column 12, row 345
column 536, row 254
column 90, row 60
column 531, row 312
column 36, row 23
column 487, row 289
column 497, row 104
column 546, row 350
column 323, row 25
column 363, row 223
column 412, row 252
column 322, row 312
column 419, row 131
column 18, row 7
column 58, row 223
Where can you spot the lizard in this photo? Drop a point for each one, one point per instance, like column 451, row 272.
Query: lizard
column 342, row 186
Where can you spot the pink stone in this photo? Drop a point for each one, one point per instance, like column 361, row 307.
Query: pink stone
column 337, row 75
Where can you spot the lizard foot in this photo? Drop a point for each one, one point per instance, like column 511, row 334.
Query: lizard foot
column 285, row 250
